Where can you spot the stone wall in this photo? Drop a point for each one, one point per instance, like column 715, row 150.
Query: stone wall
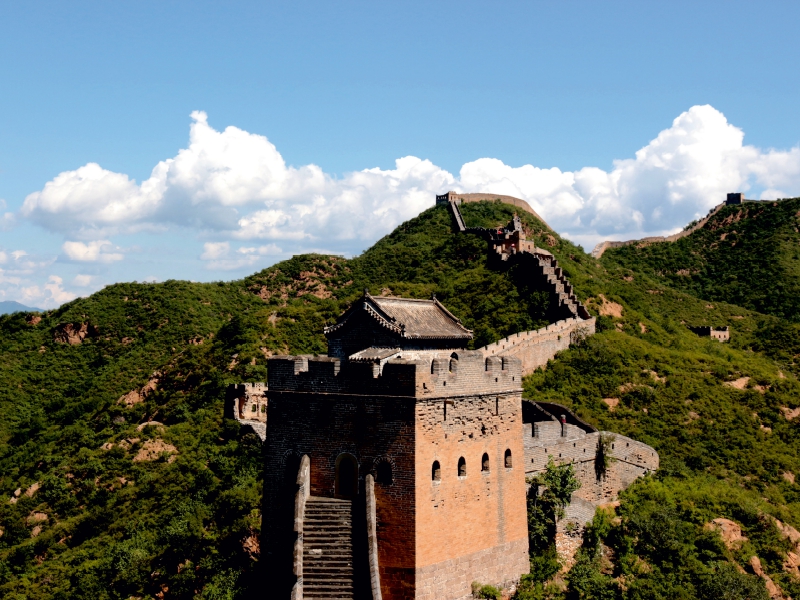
column 535, row 348
column 629, row 459
column 465, row 372
column 432, row 410
column 600, row 248
column 371, row 429
column 247, row 403
column 480, row 197
column 452, row 579
column 721, row 334
column 570, row 443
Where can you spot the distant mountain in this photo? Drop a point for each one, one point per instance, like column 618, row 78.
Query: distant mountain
column 9, row 306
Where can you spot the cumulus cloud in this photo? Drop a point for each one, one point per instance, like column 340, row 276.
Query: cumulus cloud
column 686, row 170
column 234, row 185
column 96, row 251
column 221, row 258
column 83, row 280
column 51, row 293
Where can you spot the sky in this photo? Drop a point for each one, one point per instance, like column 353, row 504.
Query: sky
column 206, row 140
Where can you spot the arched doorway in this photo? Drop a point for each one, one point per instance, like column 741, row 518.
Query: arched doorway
column 346, row 476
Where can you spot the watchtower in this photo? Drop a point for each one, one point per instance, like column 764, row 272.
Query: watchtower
column 407, row 445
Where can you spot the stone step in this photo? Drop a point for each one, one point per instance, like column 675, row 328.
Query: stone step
column 328, row 549
column 328, row 513
column 338, row 567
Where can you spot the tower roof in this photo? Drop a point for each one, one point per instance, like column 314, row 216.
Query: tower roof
column 409, row 318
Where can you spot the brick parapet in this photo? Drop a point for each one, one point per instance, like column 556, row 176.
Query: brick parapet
column 463, row 373
column 536, row 348
column 629, row 460
column 247, row 402
column 581, row 449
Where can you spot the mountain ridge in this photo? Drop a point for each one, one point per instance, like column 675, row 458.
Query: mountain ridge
column 119, row 440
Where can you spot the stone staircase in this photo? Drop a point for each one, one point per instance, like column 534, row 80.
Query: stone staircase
column 328, row 549
column 560, row 286
column 545, row 264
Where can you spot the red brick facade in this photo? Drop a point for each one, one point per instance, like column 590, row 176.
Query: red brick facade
column 434, row 537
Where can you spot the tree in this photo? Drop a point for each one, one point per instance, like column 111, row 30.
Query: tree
column 548, row 496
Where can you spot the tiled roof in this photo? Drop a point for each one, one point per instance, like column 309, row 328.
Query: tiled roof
column 374, row 354
column 408, row 317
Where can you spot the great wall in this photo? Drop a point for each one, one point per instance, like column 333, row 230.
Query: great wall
column 732, row 199
column 392, row 465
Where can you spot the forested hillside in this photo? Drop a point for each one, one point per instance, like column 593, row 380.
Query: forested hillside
column 746, row 254
column 119, row 477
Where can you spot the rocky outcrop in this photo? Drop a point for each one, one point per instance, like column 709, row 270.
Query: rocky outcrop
column 140, row 394
column 74, row 333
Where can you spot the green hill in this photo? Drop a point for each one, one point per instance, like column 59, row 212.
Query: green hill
column 746, row 254
column 110, row 507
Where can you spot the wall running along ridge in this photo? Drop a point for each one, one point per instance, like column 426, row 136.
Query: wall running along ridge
column 427, row 533
column 600, row 248
column 566, row 443
column 533, row 348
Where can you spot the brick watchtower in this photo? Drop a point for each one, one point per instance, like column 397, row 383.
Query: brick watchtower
column 394, row 467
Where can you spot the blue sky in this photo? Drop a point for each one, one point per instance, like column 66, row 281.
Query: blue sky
column 616, row 119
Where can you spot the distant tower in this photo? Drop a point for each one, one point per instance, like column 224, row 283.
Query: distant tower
column 448, row 197
column 737, row 198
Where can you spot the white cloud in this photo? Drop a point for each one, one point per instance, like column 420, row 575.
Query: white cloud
column 50, row 294
column 235, row 185
column 97, row 251
column 215, row 250
column 269, row 249
column 57, row 293
column 220, row 258
column 83, row 280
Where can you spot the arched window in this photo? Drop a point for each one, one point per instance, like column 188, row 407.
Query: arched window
column 384, row 473
column 485, row 463
column 436, row 471
column 462, row 467
column 508, row 459
column 255, row 408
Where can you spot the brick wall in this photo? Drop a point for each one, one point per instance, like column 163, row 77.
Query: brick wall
column 472, row 527
column 468, row 373
column 323, row 426
column 440, row 409
column 246, row 402
column 630, row 459
column 452, row 579
column 535, row 348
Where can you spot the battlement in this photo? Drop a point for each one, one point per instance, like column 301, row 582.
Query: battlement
column 721, row 334
column 420, row 376
column 573, row 445
column 535, row 348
